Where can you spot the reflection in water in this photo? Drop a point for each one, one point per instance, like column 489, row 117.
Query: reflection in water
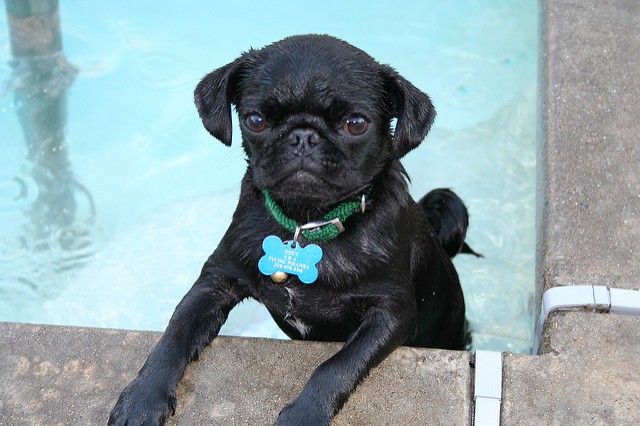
column 56, row 234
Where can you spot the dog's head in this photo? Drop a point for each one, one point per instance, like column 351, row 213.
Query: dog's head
column 315, row 116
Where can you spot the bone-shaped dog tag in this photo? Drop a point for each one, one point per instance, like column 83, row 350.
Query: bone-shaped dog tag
column 289, row 258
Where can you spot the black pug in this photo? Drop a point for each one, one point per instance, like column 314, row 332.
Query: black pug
column 325, row 233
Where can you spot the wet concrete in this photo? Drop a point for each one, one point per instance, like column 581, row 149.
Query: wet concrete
column 73, row 376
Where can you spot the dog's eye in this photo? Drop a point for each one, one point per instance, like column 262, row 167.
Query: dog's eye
column 356, row 125
column 255, row 122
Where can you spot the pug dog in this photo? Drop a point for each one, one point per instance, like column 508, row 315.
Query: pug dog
column 325, row 233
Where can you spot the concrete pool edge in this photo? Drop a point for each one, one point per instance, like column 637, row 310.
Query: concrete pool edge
column 69, row 375
column 588, row 217
column 589, row 229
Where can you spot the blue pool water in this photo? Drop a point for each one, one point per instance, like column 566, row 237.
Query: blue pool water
column 111, row 228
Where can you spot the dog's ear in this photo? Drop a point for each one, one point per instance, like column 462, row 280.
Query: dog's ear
column 413, row 110
column 213, row 97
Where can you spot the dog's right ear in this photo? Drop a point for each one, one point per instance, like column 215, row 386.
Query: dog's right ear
column 213, row 97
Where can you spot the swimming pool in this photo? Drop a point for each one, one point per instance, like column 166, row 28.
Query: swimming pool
column 111, row 228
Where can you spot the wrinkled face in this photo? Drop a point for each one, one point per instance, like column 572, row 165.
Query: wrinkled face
column 314, row 113
column 314, row 123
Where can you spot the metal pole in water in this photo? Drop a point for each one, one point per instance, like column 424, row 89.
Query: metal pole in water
column 34, row 27
column 40, row 80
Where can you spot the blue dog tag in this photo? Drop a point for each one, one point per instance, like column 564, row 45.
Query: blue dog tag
column 290, row 259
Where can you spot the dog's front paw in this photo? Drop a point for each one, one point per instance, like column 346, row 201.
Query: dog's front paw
column 142, row 402
column 297, row 414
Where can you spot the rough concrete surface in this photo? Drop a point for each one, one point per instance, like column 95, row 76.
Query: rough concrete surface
column 589, row 159
column 65, row 376
column 589, row 374
column 589, row 216
column 73, row 376
column 418, row 384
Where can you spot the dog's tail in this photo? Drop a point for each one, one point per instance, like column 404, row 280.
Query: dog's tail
column 447, row 215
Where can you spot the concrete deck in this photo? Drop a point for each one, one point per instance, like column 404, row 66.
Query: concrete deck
column 589, row 233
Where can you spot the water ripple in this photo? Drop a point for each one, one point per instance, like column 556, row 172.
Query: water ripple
column 17, row 191
column 160, row 69
column 12, row 248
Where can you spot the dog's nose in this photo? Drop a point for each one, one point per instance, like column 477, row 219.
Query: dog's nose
column 302, row 139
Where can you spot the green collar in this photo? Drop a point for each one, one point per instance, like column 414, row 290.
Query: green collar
column 321, row 231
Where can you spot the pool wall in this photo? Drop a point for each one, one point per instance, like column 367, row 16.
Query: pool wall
column 588, row 234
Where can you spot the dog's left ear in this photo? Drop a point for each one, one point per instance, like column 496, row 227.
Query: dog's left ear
column 413, row 110
column 213, row 97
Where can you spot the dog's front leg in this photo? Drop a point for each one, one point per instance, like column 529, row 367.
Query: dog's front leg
column 151, row 397
column 334, row 380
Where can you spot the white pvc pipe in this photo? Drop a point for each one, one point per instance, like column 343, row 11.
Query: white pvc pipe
column 625, row 302
column 488, row 388
column 595, row 297
column 488, row 364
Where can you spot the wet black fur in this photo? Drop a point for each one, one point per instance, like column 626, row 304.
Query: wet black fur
column 449, row 219
column 386, row 281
